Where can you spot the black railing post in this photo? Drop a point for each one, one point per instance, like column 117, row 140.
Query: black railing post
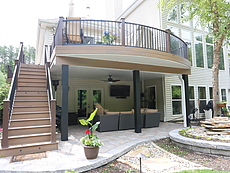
column 123, row 31
column 168, row 44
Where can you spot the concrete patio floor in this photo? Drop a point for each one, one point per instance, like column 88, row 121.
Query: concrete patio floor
column 70, row 155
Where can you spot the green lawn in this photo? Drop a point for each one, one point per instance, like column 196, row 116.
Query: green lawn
column 204, row 171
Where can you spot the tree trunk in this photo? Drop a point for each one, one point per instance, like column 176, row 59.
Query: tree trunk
column 215, row 78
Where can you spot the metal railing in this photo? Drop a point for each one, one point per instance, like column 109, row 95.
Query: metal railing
column 51, row 100
column 8, row 103
column 117, row 33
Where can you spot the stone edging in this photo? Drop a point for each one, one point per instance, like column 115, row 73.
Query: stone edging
column 209, row 147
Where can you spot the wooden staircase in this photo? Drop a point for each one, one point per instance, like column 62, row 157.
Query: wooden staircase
column 30, row 124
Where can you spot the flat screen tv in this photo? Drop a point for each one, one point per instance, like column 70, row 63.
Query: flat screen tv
column 121, row 91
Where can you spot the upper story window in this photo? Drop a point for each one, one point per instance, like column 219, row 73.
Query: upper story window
column 221, row 59
column 196, row 23
column 209, row 50
column 184, row 15
column 199, row 50
column 172, row 16
column 186, row 36
column 174, row 30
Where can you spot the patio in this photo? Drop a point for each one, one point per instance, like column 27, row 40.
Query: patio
column 71, row 156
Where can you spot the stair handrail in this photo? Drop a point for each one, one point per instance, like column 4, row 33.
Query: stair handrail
column 52, row 101
column 8, row 103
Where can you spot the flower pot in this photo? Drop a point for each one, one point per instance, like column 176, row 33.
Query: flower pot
column 91, row 152
column 221, row 105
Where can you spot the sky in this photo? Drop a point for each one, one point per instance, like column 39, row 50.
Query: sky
column 19, row 18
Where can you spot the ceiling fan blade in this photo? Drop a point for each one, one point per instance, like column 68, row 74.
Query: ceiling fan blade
column 116, row 80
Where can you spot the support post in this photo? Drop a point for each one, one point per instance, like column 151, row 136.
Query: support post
column 137, row 101
column 58, row 36
column 123, row 31
column 186, row 90
column 168, row 45
column 5, row 123
column 64, row 117
column 53, row 120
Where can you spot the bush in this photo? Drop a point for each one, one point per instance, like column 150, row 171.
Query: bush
column 4, row 89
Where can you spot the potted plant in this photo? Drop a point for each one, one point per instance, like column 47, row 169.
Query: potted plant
column 221, row 103
column 107, row 38
column 225, row 111
column 91, row 142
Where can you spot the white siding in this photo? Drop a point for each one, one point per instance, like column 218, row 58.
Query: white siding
column 147, row 13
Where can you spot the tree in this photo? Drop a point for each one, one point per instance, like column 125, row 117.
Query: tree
column 10, row 53
column 216, row 15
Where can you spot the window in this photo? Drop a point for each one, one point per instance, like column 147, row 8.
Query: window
column 174, row 30
column 209, row 48
column 176, row 100
column 199, row 50
column 221, row 59
column 191, row 99
column 210, row 93
column 196, row 23
column 223, row 95
column 202, row 98
column 172, row 17
column 186, row 36
column 184, row 15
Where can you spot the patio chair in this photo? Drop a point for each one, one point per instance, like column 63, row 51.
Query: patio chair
column 74, row 34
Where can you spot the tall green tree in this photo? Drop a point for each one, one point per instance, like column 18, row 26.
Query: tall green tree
column 8, row 54
column 216, row 15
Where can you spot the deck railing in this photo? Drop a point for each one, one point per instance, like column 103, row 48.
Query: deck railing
column 117, row 33
column 52, row 101
column 8, row 103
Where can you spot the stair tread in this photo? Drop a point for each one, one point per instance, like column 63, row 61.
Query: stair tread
column 37, row 112
column 35, row 81
column 29, row 135
column 31, row 106
column 32, row 144
column 29, row 127
column 30, row 119
column 31, row 100
column 31, row 90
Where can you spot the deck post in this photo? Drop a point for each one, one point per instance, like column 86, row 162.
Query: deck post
column 64, row 116
column 186, row 90
column 58, row 37
column 137, row 101
column 123, row 31
column 53, row 120
column 5, row 124
column 168, row 43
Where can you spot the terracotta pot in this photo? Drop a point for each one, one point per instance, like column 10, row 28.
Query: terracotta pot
column 91, row 152
column 221, row 105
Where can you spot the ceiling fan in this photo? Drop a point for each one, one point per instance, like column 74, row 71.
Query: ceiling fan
column 110, row 79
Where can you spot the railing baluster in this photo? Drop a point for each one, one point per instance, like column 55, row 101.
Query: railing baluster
column 128, row 34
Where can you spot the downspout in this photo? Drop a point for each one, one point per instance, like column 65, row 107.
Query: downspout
column 164, row 99
column 183, row 100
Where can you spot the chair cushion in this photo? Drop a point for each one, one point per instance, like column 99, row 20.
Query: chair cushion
column 100, row 110
column 151, row 110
